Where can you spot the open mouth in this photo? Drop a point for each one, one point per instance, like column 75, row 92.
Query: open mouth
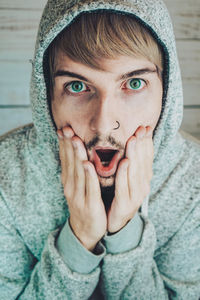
column 105, row 161
column 106, row 155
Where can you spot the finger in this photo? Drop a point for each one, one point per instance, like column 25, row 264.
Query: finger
column 69, row 165
column 143, row 160
column 119, row 212
column 62, row 159
column 140, row 132
column 130, row 147
column 149, row 131
column 144, row 154
column 121, row 182
column 144, row 144
column 149, row 141
column 149, row 150
column 81, row 151
column 68, row 132
column 131, row 154
column 133, row 144
column 60, row 134
column 138, row 169
column 79, row 173
column 93, row 192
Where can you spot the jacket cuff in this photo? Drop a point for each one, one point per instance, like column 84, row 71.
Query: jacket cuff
column 127, row 238
column 75, row 255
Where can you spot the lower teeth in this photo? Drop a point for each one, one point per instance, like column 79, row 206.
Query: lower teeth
column 105, row 163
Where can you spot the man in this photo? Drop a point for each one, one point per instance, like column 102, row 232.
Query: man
column 122, row 220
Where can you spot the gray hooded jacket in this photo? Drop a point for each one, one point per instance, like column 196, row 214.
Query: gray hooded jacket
column 40, row 257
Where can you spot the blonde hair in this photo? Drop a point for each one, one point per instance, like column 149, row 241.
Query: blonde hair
column 97, row 35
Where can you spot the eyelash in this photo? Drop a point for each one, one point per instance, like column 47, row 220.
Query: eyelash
column 66, row 86
column 142, row 82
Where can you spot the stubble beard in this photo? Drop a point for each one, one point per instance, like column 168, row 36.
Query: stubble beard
column 107, row 191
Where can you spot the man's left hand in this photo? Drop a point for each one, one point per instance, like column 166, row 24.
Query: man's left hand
column 132, row 183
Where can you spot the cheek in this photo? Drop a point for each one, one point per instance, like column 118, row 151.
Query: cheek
column 60, row 114
column 144, row 110
column 67, row 114
column 151, row 113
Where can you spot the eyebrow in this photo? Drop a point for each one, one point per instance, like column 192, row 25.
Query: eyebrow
column 137, row 73
column 64, row 73
column 69, row 74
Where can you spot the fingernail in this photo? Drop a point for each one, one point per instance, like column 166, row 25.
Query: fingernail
column 67, row 134
column 141, row 134
column 126, row 164
column 74, row 144
column 60, row 135
column 85, row 168
column 133, row 142
column 150, row 132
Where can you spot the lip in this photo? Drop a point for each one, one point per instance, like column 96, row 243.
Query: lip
column 105, row 148
column 105, row 171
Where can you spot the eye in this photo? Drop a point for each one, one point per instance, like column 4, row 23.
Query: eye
column 135, row 84
column 76, row 87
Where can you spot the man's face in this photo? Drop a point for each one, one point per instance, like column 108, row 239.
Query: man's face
column 127, row 94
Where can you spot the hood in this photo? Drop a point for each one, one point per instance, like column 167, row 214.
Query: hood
column 153, row 14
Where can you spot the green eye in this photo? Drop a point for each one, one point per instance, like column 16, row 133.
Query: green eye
column 134, row 84
column 76, row 87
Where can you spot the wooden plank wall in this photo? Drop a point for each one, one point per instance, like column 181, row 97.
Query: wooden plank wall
column 18, row 26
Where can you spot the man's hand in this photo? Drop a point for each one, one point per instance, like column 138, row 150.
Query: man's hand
column 132, row 183
column 88, row 218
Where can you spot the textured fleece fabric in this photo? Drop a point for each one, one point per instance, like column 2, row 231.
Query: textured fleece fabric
column 165, row 261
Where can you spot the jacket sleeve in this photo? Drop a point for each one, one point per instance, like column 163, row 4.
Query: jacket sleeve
column 22, row 276
column 173, row 272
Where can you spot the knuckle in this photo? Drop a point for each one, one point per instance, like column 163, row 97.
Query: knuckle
column 74, row 207
column 77, row 176
column 69, row 165
column 68, row 193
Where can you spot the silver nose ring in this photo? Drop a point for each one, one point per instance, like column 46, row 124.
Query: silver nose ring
column 118, row 125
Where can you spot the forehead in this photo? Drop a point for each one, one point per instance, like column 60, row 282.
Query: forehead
column 114, row 66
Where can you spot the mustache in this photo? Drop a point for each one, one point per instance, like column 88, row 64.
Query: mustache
column 108, row 139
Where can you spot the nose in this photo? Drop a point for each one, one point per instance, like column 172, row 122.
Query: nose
column 103, row 118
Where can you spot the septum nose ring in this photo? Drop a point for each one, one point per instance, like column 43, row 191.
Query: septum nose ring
column 118, row 125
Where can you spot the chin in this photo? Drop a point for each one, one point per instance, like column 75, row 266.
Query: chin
column 107, row 190
column 106, row 182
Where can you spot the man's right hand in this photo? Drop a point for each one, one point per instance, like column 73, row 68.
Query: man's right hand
column 88, row 218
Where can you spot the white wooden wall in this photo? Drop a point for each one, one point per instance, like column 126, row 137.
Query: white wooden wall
column 18, row 26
